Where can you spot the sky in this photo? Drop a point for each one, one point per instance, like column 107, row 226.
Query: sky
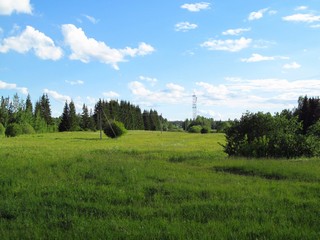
column 235, row 56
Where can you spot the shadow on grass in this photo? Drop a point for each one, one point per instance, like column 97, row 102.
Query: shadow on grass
column 250, row 173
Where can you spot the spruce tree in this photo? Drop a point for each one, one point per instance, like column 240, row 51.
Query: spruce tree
column 73, row 118
column 65, row 119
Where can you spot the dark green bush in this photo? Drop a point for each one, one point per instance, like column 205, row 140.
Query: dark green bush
column 13, row 130
column 262, row 135
column 114, row 129
column 205, row 130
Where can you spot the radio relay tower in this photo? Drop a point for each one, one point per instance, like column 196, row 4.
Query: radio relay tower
column 194, row 106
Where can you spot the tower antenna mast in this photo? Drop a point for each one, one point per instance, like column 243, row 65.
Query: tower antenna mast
column 194, row 106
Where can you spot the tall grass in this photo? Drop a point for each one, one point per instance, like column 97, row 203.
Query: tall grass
column 148, row 185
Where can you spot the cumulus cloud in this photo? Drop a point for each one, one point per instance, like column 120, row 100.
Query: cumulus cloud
column 229, row 45
column 7, row 7
column 185, row 26
column 111, row 95
column 255, row 57
column 151, row 80
column 173, row 93
column 13, row 86
column 260, row 94
column 57, row 96
column 257, row 15
column 196, row 7
column 301, row 17
column 235, row 32
column 293, row 65
column 32, row 39
column 88, row 49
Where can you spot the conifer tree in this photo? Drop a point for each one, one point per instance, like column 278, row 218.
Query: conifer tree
column 65, row 119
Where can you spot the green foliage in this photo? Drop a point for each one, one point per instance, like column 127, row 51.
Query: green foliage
column 26, row 128
column 262, row 135
column 195, row 129
column 13, row 130
column 114, row 129
column 205, row 130
column 2, row 130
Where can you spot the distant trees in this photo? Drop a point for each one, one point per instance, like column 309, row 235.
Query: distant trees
column 16, row 112
column 38, row 118
column 130, row 115
column 198, row 125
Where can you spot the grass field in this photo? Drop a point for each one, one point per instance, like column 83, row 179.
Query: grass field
column 148, row 185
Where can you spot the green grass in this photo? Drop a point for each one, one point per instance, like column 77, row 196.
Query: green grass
column 148, row 185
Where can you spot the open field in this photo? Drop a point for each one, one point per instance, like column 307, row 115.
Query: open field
column 148, row 185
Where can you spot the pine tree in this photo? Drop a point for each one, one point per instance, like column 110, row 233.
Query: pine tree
column 85, row 118
column 65, row 119
column 73, row 118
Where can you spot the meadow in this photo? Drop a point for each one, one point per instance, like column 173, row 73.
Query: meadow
column 151, row 185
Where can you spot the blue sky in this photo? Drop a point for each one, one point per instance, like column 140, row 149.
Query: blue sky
column 234, row 55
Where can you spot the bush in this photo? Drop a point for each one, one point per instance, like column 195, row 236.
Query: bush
column 262, row 135
column 2, row 130
column 195, row 129
column 205, row 130
column 13, row 130
column 114, row 129
column 27, row 129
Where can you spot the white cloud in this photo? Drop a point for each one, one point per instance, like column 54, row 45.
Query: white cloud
column 13, row 86
column 91, row 19
column 57, row 96
column 227, row 45
column 301, row 8
column 185, row 26
column 256, row 94
column 175, row 87
column 300, row 17
column 255, row 57
column 293, row 65
column 173, row 94
column 257, row 15
column 88, row 49
column 196, row 7
column 77, row 82
column 151, row 80
column 111, row 95
column 7, row 7
column 32, row 39
column 235, row 32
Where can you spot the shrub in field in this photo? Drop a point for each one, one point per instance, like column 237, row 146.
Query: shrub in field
column 2, row 130
column 195, row 129
column 263, row 135
column 114, row 129
column 13, row 130
column 205, row 130
column 26, row 128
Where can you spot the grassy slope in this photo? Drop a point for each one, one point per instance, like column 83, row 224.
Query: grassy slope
column 151, row 185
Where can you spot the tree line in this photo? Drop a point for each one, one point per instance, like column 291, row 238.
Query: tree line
column 289, row 134
column 19, row 116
